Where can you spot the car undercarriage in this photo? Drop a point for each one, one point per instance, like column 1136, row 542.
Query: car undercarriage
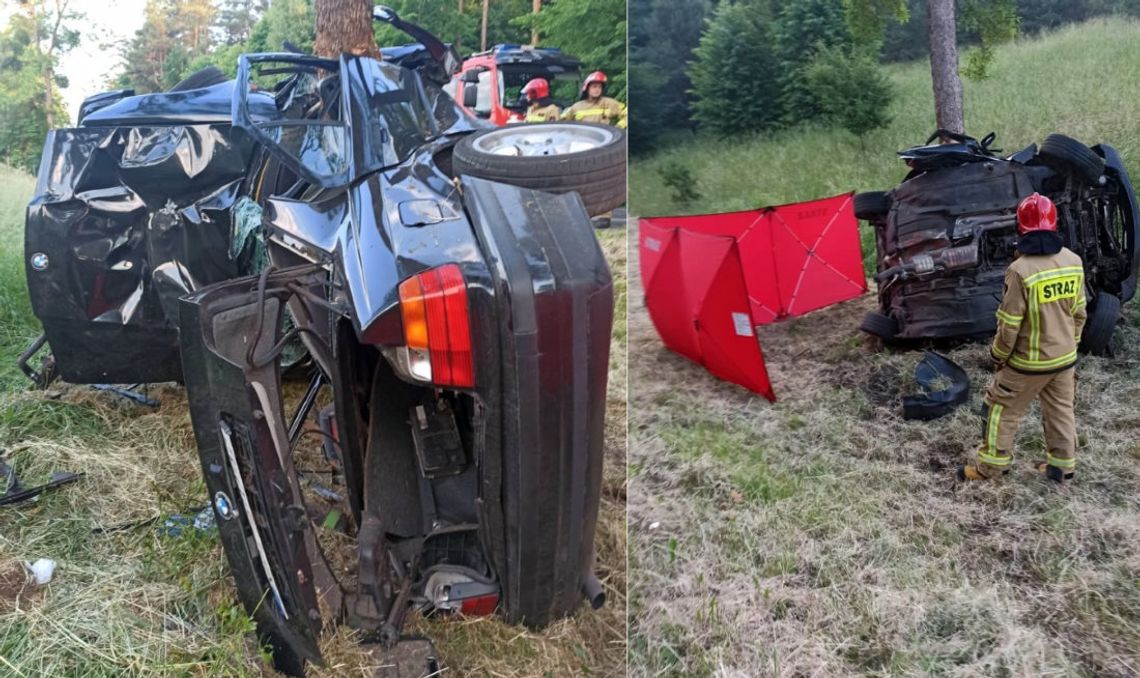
column 945, row 235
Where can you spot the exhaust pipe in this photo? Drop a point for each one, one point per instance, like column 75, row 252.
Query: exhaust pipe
column 592, row 589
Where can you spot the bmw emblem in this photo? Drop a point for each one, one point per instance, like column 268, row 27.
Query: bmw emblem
column 224, row 506
column 39, row 261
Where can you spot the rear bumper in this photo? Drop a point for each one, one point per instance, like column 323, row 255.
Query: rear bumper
column 553, row 297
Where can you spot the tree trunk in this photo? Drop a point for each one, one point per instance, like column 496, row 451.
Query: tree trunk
column 459, row 36
column 483, row 34
column 944, row 66
column 344, row 26
column 49, row 103
column 534, row 31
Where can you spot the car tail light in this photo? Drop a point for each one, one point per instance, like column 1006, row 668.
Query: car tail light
column 437, row 327
column 480, row 606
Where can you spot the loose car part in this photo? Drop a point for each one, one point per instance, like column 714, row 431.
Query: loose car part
column 943, row 387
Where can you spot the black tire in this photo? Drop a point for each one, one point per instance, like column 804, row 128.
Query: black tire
column 1104, row 313
column 880, row 325
column 872, row 205
column 1067, row 155
column 210, row 75
column 597, row 175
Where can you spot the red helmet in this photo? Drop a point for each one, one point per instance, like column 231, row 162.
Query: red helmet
column 537, row 88
column 596, row 76
column 1036, row 213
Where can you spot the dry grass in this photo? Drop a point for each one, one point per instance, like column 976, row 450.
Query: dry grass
column 823, row 535
column 136, row 602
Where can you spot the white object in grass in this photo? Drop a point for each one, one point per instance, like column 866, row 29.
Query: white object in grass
column 42, row 570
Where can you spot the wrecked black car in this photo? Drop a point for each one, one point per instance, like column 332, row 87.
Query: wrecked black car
column 945, row 235
column 306, row 216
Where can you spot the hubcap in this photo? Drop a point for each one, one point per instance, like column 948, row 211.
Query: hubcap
column 543, row 139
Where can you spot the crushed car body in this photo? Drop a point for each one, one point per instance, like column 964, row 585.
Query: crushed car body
column 306, row 214
column 946, row 234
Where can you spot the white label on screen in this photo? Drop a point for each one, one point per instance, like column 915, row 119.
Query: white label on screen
column 743, row 324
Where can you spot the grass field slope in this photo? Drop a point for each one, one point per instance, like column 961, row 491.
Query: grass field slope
column 129, row 600
column 822, row 535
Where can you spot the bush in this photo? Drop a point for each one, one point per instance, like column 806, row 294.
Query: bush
column 799, row 26
column 735, row 73
column 850, row 89
column 680, row 179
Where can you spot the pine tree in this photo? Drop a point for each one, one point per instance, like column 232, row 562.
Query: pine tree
column 735, row 73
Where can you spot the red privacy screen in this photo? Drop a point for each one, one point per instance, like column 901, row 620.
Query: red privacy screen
column 710, row 279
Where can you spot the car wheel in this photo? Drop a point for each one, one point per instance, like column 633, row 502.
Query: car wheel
column 880, row 325
column 210, row 75
column 556, row 157
column 1067, row 155
column 1104, row 313
column 872, row 205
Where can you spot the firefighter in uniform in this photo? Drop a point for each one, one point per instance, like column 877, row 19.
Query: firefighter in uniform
column 594, row 106
column 1040, row 319
column 540, row 107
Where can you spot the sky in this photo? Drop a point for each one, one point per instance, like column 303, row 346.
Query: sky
column 108, row 25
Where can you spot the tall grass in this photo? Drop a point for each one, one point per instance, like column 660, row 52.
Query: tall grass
column 17, row 324
column 1082, row 80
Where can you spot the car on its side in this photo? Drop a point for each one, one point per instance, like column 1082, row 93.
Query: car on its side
column 311, row 215
column 946, row 234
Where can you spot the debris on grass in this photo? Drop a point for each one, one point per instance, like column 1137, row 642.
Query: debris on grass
column 41, row 570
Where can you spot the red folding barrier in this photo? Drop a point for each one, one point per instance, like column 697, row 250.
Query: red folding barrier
column 710, row 279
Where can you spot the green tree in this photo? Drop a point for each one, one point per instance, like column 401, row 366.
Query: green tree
column 736, row 73
column 592, row 30
column 441, row 17
column 30, row 47
column 174, row 34
column 802, row 28
column 994, row 22
column 285, row 20
column 236, row 18
column 662, row 37
column 849, row 88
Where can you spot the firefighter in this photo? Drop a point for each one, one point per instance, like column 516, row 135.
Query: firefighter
column 1039, row 322
column 594, row 106
column 540, row 107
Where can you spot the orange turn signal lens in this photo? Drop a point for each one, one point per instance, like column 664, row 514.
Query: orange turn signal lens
column 437, row 323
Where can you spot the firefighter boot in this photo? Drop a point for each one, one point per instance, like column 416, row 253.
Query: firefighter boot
column 974, row 472
column 1059, row 469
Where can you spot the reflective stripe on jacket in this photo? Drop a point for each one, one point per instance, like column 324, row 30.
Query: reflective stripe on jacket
column 605, row 110
column 548, row 113
column 1042, row 312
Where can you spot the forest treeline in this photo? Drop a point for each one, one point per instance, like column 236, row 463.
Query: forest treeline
column 736, row 66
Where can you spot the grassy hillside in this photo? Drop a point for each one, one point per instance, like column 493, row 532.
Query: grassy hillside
column 1083, row 81
column 17, row 324
column 134, row 601
column 823, row 535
